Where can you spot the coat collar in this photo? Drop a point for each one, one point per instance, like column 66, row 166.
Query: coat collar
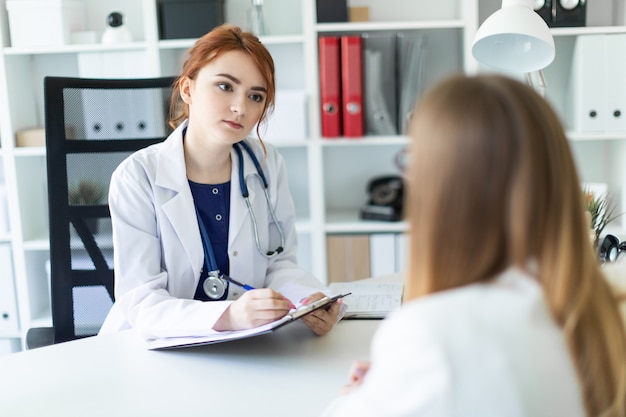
column 171, row 174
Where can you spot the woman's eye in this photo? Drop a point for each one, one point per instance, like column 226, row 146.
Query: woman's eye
column 224, row 87
column 258, row 98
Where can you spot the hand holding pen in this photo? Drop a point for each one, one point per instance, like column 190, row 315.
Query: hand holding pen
column 254, row 308
column 248, row 287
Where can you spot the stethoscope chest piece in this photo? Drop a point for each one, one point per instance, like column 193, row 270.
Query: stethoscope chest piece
column 214, row 286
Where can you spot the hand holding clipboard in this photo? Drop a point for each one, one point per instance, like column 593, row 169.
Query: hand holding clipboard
column 219, row 337
column 305, row 309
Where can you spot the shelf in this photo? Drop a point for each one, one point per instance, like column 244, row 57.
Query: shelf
column 176, row 43
column 366, row 141
column 29, row 151
column 37, row 244
column 267, row 40
column 599, row 136
column 587, row 30
column 349, row 222
column 391, row 26
column 282, row 39
column 65, row 49
column 297, row 143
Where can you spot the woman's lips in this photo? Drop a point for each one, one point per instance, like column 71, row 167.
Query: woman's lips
column 233, row 125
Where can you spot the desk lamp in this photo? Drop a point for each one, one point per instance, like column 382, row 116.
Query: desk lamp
column 516, row 39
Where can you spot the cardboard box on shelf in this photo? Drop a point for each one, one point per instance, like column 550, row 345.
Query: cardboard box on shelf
column 359, row 14
column 44, row 22
column 31, row 137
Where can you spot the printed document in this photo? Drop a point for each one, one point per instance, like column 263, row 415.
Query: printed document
column 371, row 297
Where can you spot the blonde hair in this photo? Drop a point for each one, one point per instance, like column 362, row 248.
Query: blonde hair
column 492, row 184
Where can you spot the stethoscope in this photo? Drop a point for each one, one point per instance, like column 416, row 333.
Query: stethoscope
column 216, row 284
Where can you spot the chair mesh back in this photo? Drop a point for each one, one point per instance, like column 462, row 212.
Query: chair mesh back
column 91, row 126
column 115, row 113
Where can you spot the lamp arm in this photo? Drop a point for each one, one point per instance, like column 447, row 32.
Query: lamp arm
column 537, row 81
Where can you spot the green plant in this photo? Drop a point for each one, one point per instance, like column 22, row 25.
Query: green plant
column 602, row 210
column 86, row 193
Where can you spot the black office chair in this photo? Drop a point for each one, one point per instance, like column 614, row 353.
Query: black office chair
column 91, row 126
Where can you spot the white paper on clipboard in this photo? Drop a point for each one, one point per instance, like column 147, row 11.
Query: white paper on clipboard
column 219, row 337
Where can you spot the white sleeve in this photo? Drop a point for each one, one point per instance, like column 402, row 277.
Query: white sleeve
column 408, row 375
column 142, row 281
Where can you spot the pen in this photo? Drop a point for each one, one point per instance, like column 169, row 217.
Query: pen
column 234, row 281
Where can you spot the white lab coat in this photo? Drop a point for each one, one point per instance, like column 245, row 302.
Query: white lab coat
column 158, row 251
column 484, row 350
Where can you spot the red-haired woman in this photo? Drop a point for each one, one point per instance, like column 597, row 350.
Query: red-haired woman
column 192, row 212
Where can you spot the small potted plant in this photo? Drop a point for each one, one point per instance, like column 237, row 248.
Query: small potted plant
column 87, row 193
column 601, row 211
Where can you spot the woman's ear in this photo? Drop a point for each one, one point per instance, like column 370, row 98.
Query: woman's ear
column 185, row 90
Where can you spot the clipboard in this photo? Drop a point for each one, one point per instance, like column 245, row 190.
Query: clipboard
column 219, row 337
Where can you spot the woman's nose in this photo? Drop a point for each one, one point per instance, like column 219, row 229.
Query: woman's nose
column 238, row 106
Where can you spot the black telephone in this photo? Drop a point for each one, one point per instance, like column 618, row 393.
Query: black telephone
column 612, row 250
column 386, row 197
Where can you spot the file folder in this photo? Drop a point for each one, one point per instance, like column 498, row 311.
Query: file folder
column 352, row 85
column 379, row 89
column 8, row 306
column 616, row 86
column 588, row 108
column 411, row 74
column 116, row 114
column 330, row 86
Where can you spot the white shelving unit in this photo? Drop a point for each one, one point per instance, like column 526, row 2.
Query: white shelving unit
column 328, row 177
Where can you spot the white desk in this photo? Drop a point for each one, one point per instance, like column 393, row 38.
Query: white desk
column 287, row 373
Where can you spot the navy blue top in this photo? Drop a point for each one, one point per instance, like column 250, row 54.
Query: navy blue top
column 213, row 203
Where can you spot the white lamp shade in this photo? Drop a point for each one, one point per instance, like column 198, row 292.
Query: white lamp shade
column 515, row 39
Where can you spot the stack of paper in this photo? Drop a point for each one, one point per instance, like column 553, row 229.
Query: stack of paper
column 370, row 298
